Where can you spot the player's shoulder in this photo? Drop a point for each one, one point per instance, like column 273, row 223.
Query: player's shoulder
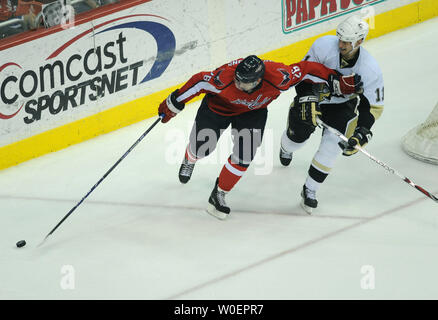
column 325, row 48
column 326, row 43
column 222, row 76
column 273, row 65
column 274, row 69
column 278, row 74
column 369, row 64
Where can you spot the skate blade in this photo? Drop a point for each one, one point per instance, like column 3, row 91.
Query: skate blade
column 183, row 179
column 215, row 213
column 308, row 209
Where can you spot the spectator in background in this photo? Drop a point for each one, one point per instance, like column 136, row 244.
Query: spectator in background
column 92, row 3
column 28, row 10
column 97, row 3
column 6, row 10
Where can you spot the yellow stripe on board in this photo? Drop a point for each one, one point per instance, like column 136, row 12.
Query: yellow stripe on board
column 146, row 107
column 81, row 130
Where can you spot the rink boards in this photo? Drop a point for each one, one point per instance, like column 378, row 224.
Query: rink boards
column 62, row 86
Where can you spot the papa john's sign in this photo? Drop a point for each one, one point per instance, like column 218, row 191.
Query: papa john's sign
column 301, row 14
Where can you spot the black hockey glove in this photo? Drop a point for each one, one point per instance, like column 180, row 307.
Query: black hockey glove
column 306, row 109
column 360, row 138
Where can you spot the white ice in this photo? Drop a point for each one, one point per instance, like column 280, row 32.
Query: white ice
column 143, row 235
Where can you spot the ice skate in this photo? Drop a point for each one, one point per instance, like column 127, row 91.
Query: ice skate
column 285, row 157
column 308, row 202
column 217, row 206
column 185, row 171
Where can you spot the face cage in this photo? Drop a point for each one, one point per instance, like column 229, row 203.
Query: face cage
column 246, row 86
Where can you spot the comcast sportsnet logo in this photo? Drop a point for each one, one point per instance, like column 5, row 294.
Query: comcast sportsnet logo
column 301, row 14
column 96, row 63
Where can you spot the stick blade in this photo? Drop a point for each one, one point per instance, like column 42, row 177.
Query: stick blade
column 42, row 242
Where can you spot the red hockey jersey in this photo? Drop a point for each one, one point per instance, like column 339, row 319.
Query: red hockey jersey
column 225, row 99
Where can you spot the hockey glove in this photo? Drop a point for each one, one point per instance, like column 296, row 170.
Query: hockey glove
column 170, row 107
column 340, row 85
column 360, row 138
column 306, row 109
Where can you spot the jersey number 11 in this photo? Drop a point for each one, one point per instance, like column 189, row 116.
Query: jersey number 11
column 380, row 97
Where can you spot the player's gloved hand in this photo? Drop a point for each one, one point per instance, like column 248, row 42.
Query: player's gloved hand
column 170, row 107
column 307, row 109
column 360, row 137
column 340, row 85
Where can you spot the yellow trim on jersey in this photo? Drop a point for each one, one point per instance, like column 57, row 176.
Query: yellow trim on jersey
column 145, row 107
column 321, row 167
column 351, row 126
column 376, row 111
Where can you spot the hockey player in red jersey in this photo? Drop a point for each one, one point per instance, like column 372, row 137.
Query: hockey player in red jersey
column 238, row 93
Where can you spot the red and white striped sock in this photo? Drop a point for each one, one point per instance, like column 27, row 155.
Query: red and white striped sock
column 230, row 175
column 191, row 158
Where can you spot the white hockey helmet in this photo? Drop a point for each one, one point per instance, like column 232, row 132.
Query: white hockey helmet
column 352, row 30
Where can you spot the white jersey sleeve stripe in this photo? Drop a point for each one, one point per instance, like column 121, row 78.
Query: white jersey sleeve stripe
column 197, row 88
column 313, row 78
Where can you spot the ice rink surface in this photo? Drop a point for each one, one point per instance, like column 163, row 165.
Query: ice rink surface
column 143, row 235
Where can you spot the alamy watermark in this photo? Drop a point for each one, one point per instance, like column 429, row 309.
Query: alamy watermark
column 369, row 15
column 368, row 280
column 214, row 149
column 68, row 277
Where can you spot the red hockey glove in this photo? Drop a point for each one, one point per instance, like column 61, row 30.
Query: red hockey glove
column 170, row 107
column 340, row 85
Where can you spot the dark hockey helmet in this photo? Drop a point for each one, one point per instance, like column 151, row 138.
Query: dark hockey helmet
column 249, row 73
column 250, row 69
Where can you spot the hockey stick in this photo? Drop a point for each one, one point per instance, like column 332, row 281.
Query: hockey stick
column 381, row 163
column 101, row 179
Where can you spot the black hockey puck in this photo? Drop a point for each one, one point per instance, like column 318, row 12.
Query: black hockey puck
column 21, row 243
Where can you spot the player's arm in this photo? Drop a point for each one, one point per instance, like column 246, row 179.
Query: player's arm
column 305, row 107
column 370, row 109
column 317, row 72
column 317, row 52
column 202, row 82
column 372, row 102
column 368, row 114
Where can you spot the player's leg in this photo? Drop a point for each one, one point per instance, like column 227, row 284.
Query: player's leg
column 247, row 134
column 295, row 136
column 204, row 136
column 343, row 118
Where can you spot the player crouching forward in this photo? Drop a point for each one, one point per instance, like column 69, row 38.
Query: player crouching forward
column 352, row 114
column 238, row 94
